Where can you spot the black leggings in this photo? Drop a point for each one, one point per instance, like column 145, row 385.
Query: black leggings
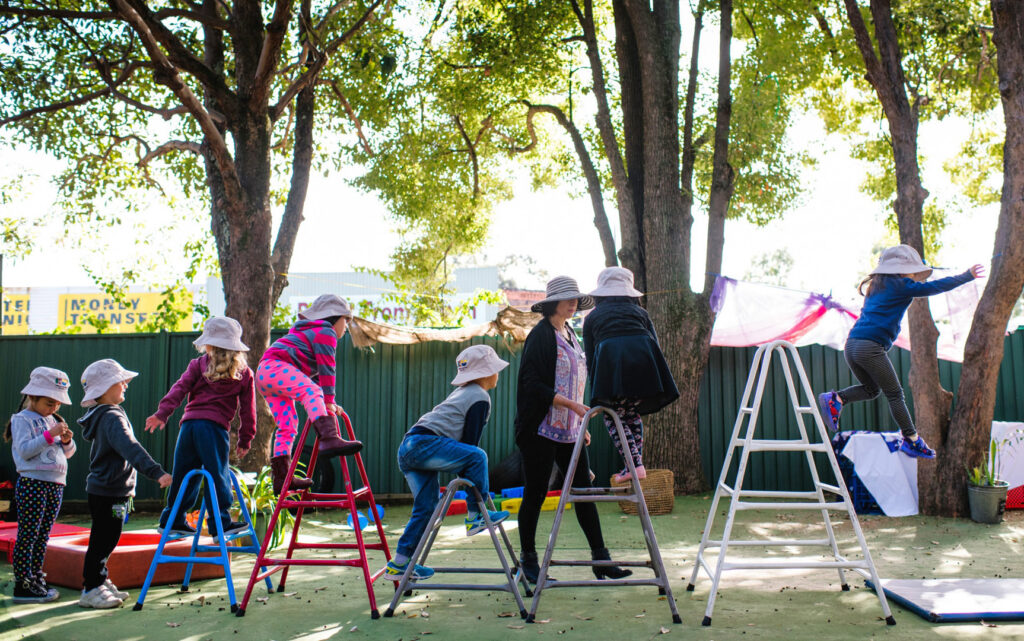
column 539, row 457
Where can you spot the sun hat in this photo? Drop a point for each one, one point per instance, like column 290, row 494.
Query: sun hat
column 477, row 361
column 325, row 306
column 223, row 332
column 901, row 259
column 48, row 382
column 563, row 288
column 98, row 377
column 616, row 281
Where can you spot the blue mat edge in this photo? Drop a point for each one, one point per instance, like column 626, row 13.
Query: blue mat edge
column 946, row 618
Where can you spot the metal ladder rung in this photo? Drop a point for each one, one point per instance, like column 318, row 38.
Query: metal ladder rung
column 754, row 505
column 776, row 494
column 718, row 544
column 598, row 583
column 597, row 498
column 592, row 491
column 784, row 445
column 598, row 564
column 830, row 488
column 780, row 565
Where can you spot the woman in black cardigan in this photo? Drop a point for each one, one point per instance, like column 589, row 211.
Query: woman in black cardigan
column 552, row 376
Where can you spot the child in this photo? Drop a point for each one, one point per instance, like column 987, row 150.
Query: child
column 300, row 365
column 893, row 285
column 42, row 445
column 625, row 366
column 113, row 458
column 445, row 440
column 218, row 385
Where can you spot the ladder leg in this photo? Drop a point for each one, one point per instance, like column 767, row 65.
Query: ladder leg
column 483, row 507
column 419, row 555
column 254, row 538
column 203, row 515
column 158, row 554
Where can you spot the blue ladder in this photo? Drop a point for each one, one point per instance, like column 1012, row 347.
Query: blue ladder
column 222, row 559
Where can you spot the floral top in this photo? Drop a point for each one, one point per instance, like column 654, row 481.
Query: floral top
column 562, row 425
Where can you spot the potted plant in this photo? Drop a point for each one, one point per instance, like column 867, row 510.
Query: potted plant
column 986, row 492
column 260, row 500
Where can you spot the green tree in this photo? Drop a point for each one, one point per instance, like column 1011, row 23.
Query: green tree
column 215, row 99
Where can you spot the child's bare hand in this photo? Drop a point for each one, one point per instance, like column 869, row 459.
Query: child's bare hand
column 67, row 436
column 586, row 439
column 977, row 271
column 335, row 409
column 165, row 480
column 152, row 423
column 241, row 451
column 57, row 429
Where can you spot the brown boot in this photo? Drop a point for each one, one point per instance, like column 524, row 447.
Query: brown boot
column 331, row 443
column 279, row 470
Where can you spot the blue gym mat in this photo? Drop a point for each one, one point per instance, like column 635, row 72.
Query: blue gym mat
column 955, row 600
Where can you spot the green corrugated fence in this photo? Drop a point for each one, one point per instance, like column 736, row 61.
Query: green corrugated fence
column 386, row 389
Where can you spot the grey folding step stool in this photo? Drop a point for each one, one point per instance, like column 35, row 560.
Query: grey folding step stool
column 808, row 500
column 632, row 493
column 513, row 574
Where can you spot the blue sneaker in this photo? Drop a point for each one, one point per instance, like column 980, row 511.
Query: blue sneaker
column 419, row 573
column 477, row 524
column 831, row 407
column 917, row 449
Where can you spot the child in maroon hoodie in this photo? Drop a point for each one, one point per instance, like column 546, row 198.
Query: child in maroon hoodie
column 218, row 384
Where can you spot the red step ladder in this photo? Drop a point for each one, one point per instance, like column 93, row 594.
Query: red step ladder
column 309, row 499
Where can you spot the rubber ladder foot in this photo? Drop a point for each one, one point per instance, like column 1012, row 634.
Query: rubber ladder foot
column 690, row 587
column 389, row 613
column 889, row 620
column 706, row 622
column 374, row 614
column 676, row 618
column 240, row 613
column 529, row 593
column 280, row 588
column 136, row 607
column 183, row 588
column 234, row 608
column 529, row 618
column 661, row 591
column 522, row 614
column 846, row 587
column 407, row 593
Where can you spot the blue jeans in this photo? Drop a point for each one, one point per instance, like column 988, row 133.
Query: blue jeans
column 421, row 458
column 201, row 443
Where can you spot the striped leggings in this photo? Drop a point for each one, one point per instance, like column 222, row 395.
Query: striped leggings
column 38, row 504
column 282, row 384
column 872, row 367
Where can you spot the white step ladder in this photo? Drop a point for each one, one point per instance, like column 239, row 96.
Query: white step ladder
column 780, row 500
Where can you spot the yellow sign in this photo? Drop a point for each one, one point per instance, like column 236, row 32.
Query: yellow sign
column 91, row 310
column 15, row 313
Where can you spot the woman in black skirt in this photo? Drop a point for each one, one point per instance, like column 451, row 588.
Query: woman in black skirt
column 549, row 408
column 626, row 368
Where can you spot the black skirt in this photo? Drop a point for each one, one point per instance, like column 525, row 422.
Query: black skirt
column 632, row 367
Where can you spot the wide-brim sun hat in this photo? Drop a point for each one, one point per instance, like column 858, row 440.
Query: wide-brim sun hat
column 901, row 259
column 48, row 382
column 477, row 361
column 100, row 376
column 326, row 306
column 563, row 288
column 616, row 281
column 222, row 332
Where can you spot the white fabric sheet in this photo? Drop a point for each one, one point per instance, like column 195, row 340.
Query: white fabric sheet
column 891, row 477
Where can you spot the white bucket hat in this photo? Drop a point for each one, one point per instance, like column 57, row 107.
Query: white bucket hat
column 325, row 306
column 98, row 377
column 477, row 361
column 616, row 281
column 901, row 259
column 48, row 382
column 223, row 332
column 563, row 288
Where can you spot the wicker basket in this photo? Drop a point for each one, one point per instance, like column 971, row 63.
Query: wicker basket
column 658, row 490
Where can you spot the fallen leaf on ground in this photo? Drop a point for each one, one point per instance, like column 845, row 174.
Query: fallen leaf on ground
column 172, row 624
column 543, row 621
column 639, row 616
column 988, row 625
column 583, row 618
column 262, row 599
column 663, row 630
column 354, row 628
column 322, row 587
column 516, row 627
column 936, row 543
column 290, row 593
column 505, row 615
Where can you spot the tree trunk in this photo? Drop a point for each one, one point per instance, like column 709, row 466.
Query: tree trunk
column 972, row 419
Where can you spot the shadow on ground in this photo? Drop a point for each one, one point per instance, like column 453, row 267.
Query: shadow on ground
column 321, row 603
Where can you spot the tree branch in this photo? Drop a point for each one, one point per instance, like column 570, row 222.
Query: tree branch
column 604, row 230
column 271, row 52
column 168, row 147
column 351, row 114
column 472, row 155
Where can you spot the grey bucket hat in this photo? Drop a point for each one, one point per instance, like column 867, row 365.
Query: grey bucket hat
column 222, row 332
column 563, row 288
column 477, row 361
column 48, row 382
column 616, row 281
column 325, row 306
column 98, row 377
column 901, row 259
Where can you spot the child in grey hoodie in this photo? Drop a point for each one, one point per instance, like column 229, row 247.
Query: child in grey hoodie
column 41, row 445
column 114, row 456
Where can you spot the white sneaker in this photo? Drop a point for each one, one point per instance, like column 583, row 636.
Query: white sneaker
column 99, row 597
column 121, row 594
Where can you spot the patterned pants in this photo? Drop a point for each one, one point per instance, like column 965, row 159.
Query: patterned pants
column 626, row 408
column 38, row 504
column 281, row 384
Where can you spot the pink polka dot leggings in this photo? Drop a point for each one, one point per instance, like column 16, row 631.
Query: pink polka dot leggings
column 282, row 384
